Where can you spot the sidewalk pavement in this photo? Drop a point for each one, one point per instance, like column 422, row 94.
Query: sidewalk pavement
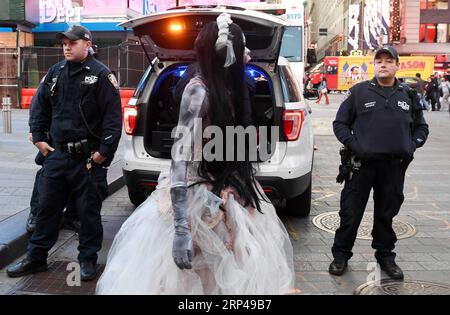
column 116, row 209
column 17, row 174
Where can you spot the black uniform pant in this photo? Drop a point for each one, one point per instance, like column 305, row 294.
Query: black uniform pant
column 34, row 201
column 61, row 176
column 71, row 206
column 386, row 178
column 70, row 213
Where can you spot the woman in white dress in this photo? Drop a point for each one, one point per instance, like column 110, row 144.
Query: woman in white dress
column 208, row 228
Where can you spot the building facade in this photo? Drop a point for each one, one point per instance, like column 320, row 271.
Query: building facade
column 414, row 27
column 425, row 30
column 332, row 16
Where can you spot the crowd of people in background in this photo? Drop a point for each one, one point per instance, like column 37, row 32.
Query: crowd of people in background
column 435, row 92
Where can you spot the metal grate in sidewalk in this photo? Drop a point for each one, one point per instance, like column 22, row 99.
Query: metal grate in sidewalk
column 54, row 281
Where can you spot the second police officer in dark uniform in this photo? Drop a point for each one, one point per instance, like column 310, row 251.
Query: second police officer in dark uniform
column 78, row 104
column 382, row 123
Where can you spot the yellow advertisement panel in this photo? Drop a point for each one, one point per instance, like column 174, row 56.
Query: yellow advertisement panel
column 354, row 69
column 409, row 66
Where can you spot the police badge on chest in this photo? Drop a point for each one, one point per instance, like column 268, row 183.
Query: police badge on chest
column 403, row 105
column 90, row 79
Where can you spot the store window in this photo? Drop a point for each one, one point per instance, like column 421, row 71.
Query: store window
column 434, row 4
column 434, row 33
column 442, row 33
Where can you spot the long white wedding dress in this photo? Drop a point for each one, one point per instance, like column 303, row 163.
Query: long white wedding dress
column 237, row 250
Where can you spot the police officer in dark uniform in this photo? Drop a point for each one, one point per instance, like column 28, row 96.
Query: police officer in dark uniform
column 78, row 105
column 381, row 122
column 70, row 220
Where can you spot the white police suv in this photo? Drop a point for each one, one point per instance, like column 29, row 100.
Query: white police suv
column 152, row 113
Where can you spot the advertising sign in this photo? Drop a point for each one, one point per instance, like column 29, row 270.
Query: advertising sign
column 353, row 26
column 409, row 66
column 60, row 11
column 94, row 8
column 376, row 23
column 74, row 11
column 356, row 69
column 352, row 70
column 137, row 5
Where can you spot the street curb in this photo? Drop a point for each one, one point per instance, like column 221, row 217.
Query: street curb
column 14, row 236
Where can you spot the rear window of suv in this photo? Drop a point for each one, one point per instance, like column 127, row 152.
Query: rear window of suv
column 289, row 85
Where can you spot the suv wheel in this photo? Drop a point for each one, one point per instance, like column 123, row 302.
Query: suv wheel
column 300, row 206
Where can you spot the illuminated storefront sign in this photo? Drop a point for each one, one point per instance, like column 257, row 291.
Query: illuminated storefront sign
column 152, row 6
column 104, row 15
column 73, row 11
column 59, row 11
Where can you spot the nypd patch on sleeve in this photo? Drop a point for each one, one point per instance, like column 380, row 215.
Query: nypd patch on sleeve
column 113, row 80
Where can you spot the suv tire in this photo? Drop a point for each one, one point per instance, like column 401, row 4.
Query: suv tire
column 300, row 206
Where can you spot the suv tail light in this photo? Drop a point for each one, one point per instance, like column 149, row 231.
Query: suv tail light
column 129, row 119
column 292, row 123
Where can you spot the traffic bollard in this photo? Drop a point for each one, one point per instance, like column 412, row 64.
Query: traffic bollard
column 6, row 111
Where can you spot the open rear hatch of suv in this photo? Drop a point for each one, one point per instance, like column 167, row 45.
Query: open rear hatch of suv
column 171, row 35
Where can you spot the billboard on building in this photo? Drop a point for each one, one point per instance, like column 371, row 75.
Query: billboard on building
column 152, row 6
column 353, row 26
column 137, row 5
column 353, row 70
column 74, row 11
column 376, row 23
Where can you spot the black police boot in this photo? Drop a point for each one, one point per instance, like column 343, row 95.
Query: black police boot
column 338, row 267
column 88, row 270
column 31, row 223
column 392, row 270
column 25, row 267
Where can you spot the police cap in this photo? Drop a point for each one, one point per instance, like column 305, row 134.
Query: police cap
column 75, row 32
column 386, row 49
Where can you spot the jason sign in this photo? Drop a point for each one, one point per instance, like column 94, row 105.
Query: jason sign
column 412, row 64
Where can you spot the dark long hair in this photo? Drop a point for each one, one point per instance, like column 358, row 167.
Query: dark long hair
column 225, row 88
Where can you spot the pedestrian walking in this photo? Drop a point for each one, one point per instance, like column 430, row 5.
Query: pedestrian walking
column 323, row 91
column 436, row 91
column 431, row 94
column 445, row 88
column 420, row 88
column 382, row 124
column 78, row 106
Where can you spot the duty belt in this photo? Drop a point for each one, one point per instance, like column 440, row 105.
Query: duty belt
column 78, row 148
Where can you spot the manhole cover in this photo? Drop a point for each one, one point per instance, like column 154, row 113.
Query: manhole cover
column 406, row 287
column 54, row 281
column 329, row 221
